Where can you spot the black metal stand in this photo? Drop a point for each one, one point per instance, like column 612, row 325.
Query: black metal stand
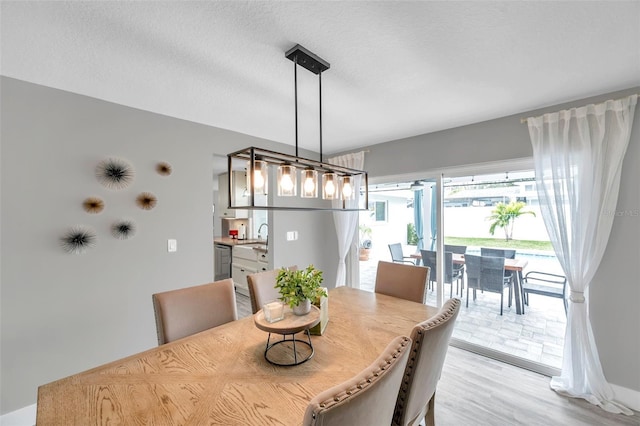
column 295, row 352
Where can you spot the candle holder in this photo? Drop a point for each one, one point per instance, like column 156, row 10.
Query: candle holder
column 273, row 311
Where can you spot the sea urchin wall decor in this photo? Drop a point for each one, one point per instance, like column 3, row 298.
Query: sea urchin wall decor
column 93, row 205
column 146, row 201
column 163, row 168
column 115, row 173
column 123, row 229
column 78, row 239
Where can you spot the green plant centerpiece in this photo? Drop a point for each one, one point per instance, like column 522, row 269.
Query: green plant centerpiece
column 298, row 288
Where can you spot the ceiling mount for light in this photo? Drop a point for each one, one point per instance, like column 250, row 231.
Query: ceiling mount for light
column 338, row 183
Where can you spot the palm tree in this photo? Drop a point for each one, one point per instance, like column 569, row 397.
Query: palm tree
column 504, row 216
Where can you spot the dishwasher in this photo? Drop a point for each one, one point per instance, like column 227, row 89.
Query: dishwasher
column 222, row 265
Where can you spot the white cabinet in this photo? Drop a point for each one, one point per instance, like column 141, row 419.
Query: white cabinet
column 240, row 184
column 247, row 261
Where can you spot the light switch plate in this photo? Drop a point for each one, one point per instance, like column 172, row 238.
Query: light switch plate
column 172, row 245
column 292, row 235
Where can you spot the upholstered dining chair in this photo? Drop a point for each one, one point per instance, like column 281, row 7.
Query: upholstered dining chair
column 404, row 281
column 430, row 341
column 262, row 287
column 369, row 397
column 186, row 311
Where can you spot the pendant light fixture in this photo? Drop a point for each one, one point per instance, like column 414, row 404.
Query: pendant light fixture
column 338, row 183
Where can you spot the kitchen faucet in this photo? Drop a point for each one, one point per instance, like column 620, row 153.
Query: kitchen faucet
column 260, row 229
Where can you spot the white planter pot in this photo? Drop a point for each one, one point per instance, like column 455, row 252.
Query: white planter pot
column 302, row 308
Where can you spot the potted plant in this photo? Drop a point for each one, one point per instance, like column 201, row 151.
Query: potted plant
column 365, row 242
column 299, row 287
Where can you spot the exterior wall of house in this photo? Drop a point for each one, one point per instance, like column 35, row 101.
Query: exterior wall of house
column 62, row 313
column 614, row 292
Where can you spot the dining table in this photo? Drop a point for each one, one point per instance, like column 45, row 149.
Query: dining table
column 516, row 265
column 220, row 376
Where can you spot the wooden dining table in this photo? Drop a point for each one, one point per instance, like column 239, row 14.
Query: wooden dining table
column 220, row 376
column 515, row 265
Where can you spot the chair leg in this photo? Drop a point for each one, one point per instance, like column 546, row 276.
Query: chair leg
column 467, row 296
column 429, row 418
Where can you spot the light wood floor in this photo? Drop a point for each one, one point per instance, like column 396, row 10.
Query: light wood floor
column 475, row 390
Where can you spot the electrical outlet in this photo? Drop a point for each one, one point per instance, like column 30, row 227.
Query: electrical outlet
column 172, row 245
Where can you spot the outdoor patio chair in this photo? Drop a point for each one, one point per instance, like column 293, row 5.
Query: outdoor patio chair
column 487, row 274
column 506, row 253
column 397, row 255
column 450, row 273
column 457, row 250
column 544, row 284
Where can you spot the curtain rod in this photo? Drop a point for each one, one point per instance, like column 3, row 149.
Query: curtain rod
column 524, row 120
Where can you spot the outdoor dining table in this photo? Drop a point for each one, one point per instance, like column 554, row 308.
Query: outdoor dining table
column 220, row 376
column 515, row 265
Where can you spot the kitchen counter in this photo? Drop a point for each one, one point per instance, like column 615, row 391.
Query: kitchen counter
column 231, row 242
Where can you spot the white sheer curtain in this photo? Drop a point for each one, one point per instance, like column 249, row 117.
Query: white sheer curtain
column 346, row 222
column 578, row 157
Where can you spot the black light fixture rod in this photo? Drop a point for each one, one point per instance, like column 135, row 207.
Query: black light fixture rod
column 320, row 97
column 295, row 83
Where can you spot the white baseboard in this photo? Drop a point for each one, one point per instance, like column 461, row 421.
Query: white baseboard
column 628, row 397
column 25, row 416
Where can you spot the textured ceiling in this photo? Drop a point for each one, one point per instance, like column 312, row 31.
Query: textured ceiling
column 398, row 69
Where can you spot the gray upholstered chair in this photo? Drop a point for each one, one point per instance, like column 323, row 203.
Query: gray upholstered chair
column 262, row 287
column 430, row 341
column 186, row 311
column 368, row 398
column 404, row 281
column 397, row 254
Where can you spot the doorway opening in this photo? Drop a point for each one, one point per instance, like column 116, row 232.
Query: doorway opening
column 533, row 339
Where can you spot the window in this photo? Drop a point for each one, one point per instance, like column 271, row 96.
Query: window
column 378, row 210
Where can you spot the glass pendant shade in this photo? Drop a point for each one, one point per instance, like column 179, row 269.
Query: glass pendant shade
column 309, row 183
column 287, row 183
column 330, row 186
column 346, row 185
column 260, row 176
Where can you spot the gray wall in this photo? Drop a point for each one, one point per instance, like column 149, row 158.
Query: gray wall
column 615, row 290
column 62, row 314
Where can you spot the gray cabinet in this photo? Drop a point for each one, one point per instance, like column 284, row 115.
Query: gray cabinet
column 222, row 262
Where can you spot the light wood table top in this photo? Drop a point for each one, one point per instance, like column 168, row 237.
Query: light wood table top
column 220, row 376
column 290, row 324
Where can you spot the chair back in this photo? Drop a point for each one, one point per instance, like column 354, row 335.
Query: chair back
column 404, row 281
column 397, row 254
column 455, row 249
column 262, row 287
column 186, row 311
column 368, row 398
column 429, row 260
column 485, row 272
column 473, row 265
column 430, row 341
column 506, row 253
